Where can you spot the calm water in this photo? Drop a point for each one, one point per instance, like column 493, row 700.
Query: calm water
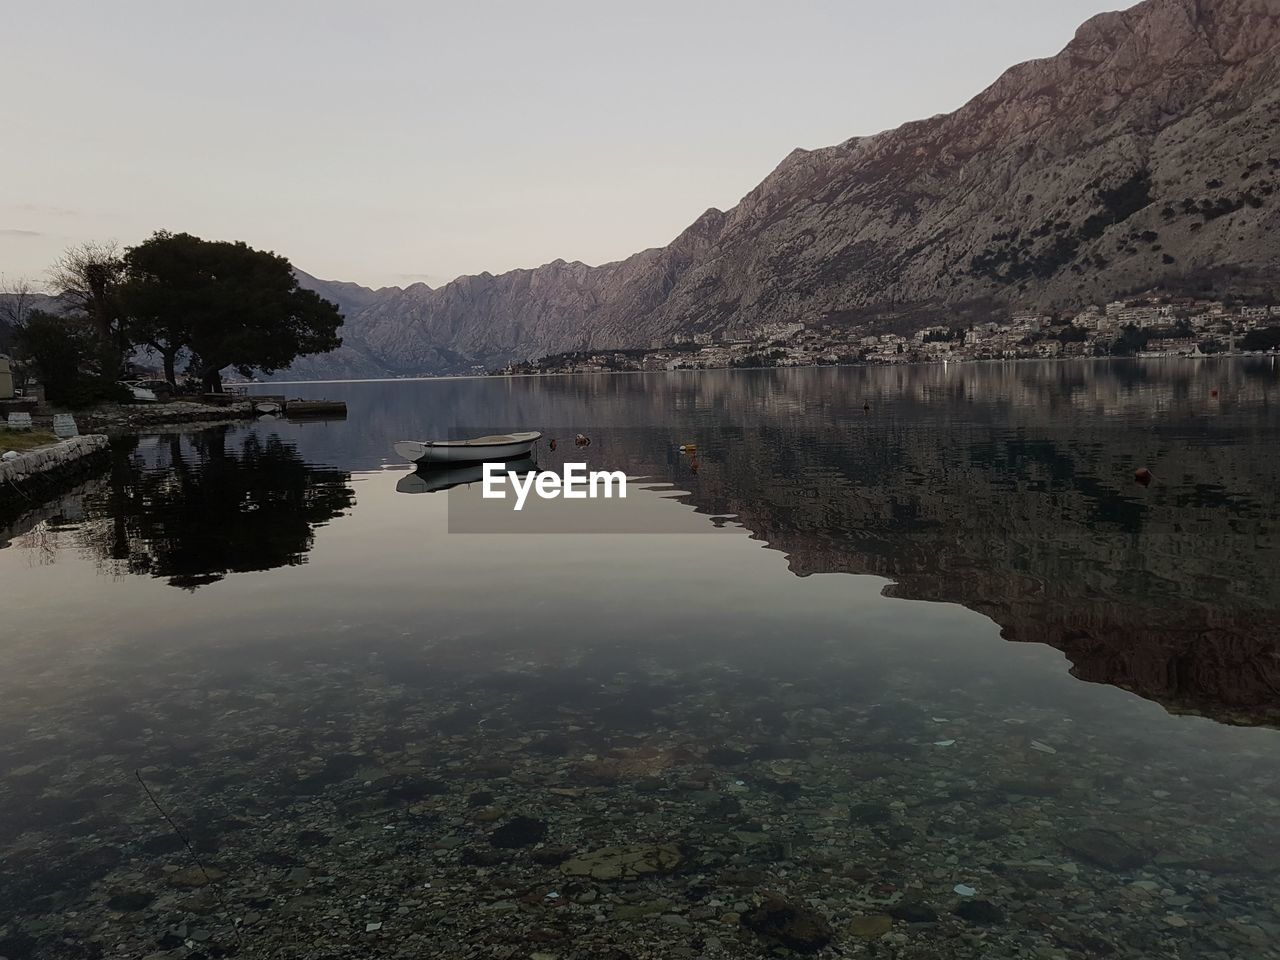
column 1030, row 711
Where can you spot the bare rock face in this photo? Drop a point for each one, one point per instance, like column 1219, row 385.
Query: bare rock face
column 1146, row 153
column 1070, row 178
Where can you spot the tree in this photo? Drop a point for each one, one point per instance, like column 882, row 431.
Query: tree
column 87, row 279
column 17, row 300
column 163, row 280
column 1131, row 341
column 60, row 348
column 225, row 303
column 1267, row 338
column 16, row 303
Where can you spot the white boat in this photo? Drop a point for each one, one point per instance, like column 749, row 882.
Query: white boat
column 138, row 392
column 499, row 448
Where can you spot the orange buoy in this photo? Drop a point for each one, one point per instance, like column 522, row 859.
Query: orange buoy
column 1142, row 475
column 552, row 443
column 1213, row 392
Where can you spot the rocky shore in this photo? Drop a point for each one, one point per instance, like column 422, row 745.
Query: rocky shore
column 122, row 418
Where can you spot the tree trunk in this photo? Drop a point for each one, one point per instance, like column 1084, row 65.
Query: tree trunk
column 110, row 356
column 170, row 364
column 212, row 380
column 110, row 361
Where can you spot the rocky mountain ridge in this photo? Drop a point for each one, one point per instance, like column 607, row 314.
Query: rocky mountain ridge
column 1145, row 155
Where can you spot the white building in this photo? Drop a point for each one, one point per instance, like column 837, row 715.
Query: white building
column 1139, row 316
column 1031, row 321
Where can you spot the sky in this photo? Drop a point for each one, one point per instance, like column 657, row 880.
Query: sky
column 388, row 143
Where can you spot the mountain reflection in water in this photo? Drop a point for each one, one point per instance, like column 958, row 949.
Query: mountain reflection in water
column 1006, row 488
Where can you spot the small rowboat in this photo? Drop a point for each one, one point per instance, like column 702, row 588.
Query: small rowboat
column 503, row 447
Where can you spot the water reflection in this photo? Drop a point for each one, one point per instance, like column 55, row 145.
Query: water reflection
column 1006, row 488
column 427, row 479
column 429, row 744
column 192, row 508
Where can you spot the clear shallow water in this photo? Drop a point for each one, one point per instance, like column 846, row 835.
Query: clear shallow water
column 344, row 702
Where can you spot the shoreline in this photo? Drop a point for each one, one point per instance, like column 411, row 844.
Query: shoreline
column 126, row 418
column 42, row 475
column 33, row 478
column 116, row 419
column 814, row 366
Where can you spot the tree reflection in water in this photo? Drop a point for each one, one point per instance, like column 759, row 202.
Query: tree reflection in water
column 195, row 507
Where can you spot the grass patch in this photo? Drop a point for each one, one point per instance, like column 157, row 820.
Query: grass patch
column 21, row 440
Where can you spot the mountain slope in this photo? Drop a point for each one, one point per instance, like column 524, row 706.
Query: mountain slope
column 1145, row 154
column 1153, row 137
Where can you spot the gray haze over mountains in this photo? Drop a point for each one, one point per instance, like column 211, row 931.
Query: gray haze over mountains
column 1145, row 155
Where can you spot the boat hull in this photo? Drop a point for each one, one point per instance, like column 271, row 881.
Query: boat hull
column 429, row 452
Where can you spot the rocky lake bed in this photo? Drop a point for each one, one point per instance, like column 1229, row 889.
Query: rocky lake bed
column 654, row 819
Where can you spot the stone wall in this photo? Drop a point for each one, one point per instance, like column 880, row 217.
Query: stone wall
column 24, row 479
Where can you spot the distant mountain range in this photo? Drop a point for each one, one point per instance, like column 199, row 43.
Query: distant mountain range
column 1145, row 155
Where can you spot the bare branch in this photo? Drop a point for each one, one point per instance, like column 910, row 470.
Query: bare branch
column 87, row 279
column 83, row 272
column 17, row 300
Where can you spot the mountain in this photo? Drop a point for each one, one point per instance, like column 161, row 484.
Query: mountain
column 1145, row 155
column 352, row 360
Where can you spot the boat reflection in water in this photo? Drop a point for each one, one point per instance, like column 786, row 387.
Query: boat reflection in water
column 434, row 479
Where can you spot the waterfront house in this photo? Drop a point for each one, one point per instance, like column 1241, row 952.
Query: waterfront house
column 1186, row 346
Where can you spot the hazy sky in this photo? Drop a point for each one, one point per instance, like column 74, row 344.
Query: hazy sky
column 392, row 142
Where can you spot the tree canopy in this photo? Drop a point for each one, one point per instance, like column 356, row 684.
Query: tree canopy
column 225, row 304
column 1267, row 338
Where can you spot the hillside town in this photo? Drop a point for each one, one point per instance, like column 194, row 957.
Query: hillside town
column 1148, row 327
